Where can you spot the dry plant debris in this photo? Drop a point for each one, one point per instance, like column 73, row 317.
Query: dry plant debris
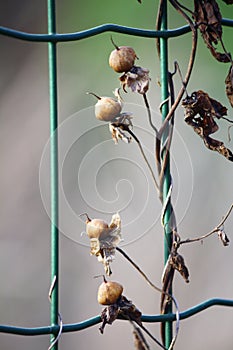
column 208, row 19
column 200, row 111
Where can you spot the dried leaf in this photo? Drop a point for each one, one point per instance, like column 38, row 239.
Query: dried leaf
column 228, row 2
column 129, row 311
column 123, row 308
column 177, row 262
column 201, row 103
column 108, row 316
column 223, row 238
column 229, row 85
column 137, row 79
column 208, row 18
column 200, row 111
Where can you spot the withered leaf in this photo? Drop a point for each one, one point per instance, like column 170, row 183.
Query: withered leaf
column 128, row 310
column 200, row 111
column 229, row 85
column 123, row 308
column 228, row 2
column 208, row 19
column 108, row 316
column 177, row 262
column 201, row 103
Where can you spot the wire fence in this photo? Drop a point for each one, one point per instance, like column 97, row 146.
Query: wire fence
column 53, row 39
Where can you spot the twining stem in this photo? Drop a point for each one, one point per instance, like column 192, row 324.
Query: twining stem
column 189, row 70
column 55, row 341
column 157, row 289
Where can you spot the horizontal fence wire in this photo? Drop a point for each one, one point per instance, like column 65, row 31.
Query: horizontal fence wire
column 74, row 327
column 84, row 34
column 75, row 36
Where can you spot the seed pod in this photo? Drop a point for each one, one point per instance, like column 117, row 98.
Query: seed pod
column 122, row 58
column 107, row 108
column 95, row 228
column 109, row 292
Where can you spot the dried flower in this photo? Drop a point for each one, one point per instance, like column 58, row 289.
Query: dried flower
column 137, row 79
column 104, row 239
column 118, row 128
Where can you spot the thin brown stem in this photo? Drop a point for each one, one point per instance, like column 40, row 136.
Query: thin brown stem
column 139, row 338
column 149, row 113
column 142, row 152
column 151, row 336
column 189, row 70
column 146, row 331
column 163, row 292
column 158, row 25
column 185, row 8
column 138, row 269
column 216, row 229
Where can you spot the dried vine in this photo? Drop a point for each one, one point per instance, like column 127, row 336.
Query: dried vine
column 200, row 113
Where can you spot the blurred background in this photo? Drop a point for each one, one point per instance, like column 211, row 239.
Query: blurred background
column 101, row 178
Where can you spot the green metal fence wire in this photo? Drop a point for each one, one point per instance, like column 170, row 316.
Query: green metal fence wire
column 52, row 39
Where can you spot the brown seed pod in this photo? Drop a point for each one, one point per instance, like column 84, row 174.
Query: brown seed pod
column 109, row 292
column 107, row 108
column 122, row 58
column 95, row 228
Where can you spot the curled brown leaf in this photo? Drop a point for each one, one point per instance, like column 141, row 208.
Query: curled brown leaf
column 123, row 308
column 208, row 18
column 229, row 85
column 177, row 262
column 200, row 111
column 228, row 2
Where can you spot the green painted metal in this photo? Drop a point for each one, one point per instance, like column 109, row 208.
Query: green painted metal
column 52, row 60
column 109, row 27
column 167, row 177
column 75, row 327
column 52, row 38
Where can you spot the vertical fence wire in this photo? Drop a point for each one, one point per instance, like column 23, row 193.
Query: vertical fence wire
column 52, row 64
column 167, row 177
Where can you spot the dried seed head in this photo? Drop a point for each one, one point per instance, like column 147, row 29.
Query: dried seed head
column 109, row 292
column 95, row 228
column 107, row 108
column 122, row 58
